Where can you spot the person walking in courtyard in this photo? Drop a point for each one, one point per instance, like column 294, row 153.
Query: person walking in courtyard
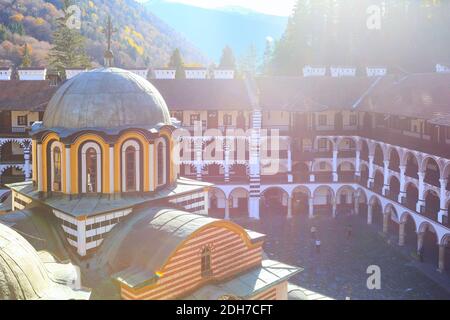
column 317, row 246
column 349, row 231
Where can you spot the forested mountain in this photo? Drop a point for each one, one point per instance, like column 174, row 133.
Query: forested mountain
column 404, row 35
column 141, row 38
column 212, row 29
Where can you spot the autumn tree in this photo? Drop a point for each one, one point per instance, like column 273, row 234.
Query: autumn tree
column 26, row 56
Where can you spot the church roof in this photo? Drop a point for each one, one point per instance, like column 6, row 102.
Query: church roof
column 162, row 229
column 204, row 94
column 91, row 205
column 25, row 95
column 106, row 98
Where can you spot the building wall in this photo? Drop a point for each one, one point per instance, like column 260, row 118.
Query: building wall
column 31, row 117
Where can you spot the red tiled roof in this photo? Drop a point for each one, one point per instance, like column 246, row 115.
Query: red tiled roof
column 25, row 95
column 203, row 94
column 425, row 96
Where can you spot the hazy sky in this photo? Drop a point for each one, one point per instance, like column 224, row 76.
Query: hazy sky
column 276, row 7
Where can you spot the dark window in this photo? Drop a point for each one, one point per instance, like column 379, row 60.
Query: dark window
column 160, row 163
column 56, row 169
column 352, row 120
column 227, row 120
column 91, row 170
column 130, row 168
column 194, row 118
column 22, row 120
column 322, row 120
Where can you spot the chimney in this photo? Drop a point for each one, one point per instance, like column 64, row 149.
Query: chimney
column 376, row 71
column 196, row 73
column 5, row 73
column 164, row 73
column 38, row 73
column 441, row 68
column 223, row 74
column 143, row 72
column 314, row 71
column 339, row 72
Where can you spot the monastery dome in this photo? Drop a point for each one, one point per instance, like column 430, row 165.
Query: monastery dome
column 106, row 98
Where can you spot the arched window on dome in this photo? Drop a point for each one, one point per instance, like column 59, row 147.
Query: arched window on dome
column 162, row 170
column 91, row 173
column 131, row 166
column 55, row 167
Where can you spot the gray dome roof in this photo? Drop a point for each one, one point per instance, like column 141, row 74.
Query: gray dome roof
column 106, row 98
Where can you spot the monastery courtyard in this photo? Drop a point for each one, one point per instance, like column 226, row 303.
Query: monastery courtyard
column 339, row 270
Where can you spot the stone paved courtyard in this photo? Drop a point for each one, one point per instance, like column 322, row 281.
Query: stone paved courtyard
column 339, row 270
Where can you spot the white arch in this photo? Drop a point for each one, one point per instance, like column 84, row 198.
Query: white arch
column 137, row 153
column 97, row 149
column 59, row 145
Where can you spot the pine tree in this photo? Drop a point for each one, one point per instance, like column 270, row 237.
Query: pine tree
column 26, row 57
column 248, row 63
column 227, row 61
column 176, row 61
column 68, row 49
column 268, row 56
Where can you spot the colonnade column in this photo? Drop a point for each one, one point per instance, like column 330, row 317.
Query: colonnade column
column 421, row 200
column 226, row 167
column 311, row 207
column 371, row 171
column 68, row 179
column 386, row 217
column 401, row 234
column 198, row 158
column 358, row 164
column 442, row 198
column 402, row 194
column 335, row 166
column 334, row 202
column 27, row 169
column 385, row 190
column 289, row 207
column 289, row 163
column 369, row 213
column 420, row 237
column 227, row 209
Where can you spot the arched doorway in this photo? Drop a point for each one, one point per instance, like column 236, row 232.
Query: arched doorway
column 238, row 201
column 432, row 205
column 394, row 188
column 394, row 160
column 217, row 203
column 364, row 175
column 432, row 172
column 323, row 171
column 323, row 201
column 412, row 196
column 429, row 248
column 274, row 201
column 346, row 172
column 11, row 175
column 344, row 200
column 410, row 231
column 238, row 173
column 300, row 200
column 378, row 182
